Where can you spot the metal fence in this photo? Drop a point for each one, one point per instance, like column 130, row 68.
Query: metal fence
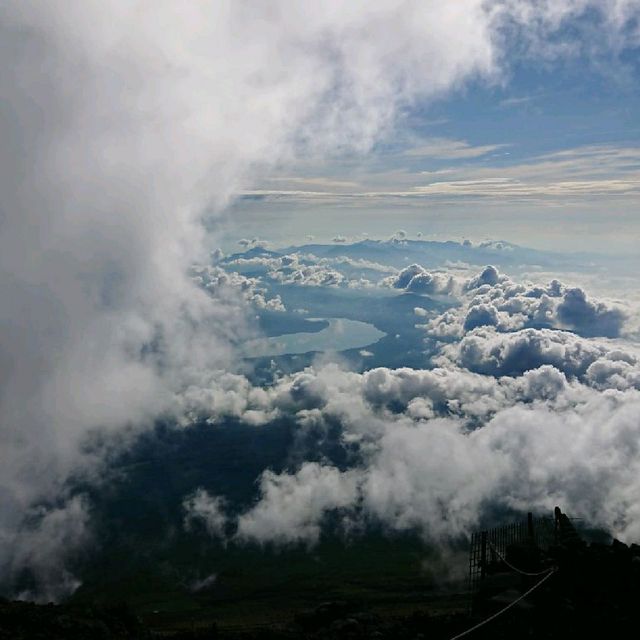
column 487, row 547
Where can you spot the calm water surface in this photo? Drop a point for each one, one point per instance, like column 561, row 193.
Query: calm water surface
column 341, row 334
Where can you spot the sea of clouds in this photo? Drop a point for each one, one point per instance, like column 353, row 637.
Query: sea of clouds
column 509, row 416
column 123, row 125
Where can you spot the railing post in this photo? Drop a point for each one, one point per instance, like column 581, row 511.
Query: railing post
column 483, row 554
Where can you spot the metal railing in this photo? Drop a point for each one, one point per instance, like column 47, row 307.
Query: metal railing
column 490, row 546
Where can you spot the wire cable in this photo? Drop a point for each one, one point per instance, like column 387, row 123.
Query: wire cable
column 520, row 571
column 550, row 572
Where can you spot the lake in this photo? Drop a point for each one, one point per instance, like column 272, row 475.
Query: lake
column 341, row 334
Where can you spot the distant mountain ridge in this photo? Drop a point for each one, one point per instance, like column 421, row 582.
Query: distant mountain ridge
column 431, row 253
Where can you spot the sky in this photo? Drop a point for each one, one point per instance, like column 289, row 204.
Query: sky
column 546, row 154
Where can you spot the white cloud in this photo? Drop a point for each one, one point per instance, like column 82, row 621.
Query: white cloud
column 417, row 279
column 516, row 101
column 208, row 510
column 494, row 300
column 44, row 546
column 451, row 149
column 292, row 507
column 615, row 370
column 490, row 352
column 315, row 182
column 508, row 418
column 311, row 271
column 603, row 170
column 536, row 441
column 309, row 276
column 569, row 175
column 252, row 242
column 224, row 285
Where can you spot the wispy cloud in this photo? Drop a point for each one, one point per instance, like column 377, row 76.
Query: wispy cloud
column 449, row 149
column 505, row 187
column 516, row 101
column 593, row 171
column 316, row 182
column 588, row 171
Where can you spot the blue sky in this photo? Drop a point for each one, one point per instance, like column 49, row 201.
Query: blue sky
column 546, row 155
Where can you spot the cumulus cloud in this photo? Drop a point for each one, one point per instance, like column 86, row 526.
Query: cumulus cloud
column 417, row 279
column 292, row 506
column 616, row 369
column 488, row 276
column 509, row 417
column 398, row 237
column 585, row 457
column 225, row 284
column 437, row 448
column 491, row 352
column 587, row 317
column 253, row 243
column 308, row 270
column 425, row 479
column 217, row 255
column 274, row 263
column 309, row 275
column 480, row 315
column 223, row 394
column 491, row 299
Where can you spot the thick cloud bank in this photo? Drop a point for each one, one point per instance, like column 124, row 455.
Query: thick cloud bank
column 124, row 123
column 491, row 299
column 508, row 418
column 433, row 450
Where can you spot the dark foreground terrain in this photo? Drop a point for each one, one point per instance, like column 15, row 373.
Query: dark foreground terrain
column 591, row 591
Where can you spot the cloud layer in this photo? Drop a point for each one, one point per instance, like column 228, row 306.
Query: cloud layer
column 123, row 125
column 508, row 418
column 433, row 450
